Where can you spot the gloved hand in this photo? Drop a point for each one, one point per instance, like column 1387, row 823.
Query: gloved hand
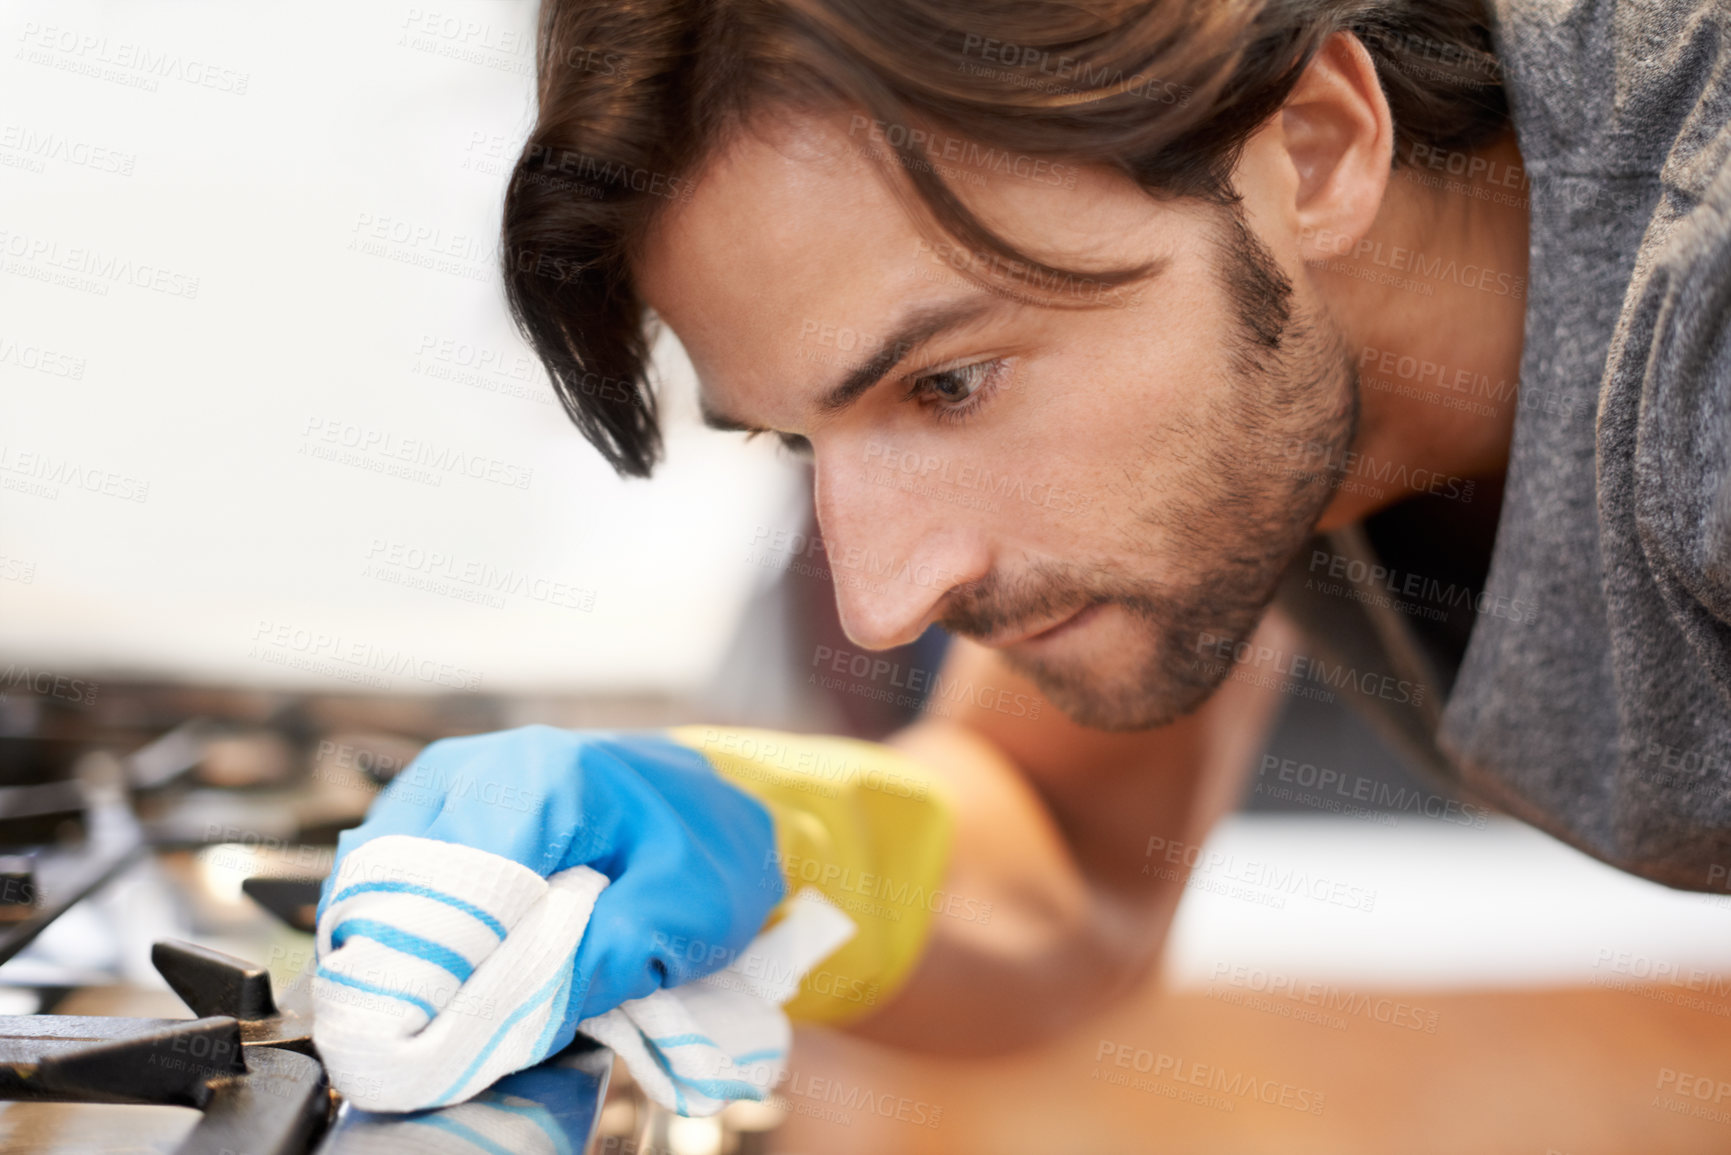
column 691, row 858
column 701, row 831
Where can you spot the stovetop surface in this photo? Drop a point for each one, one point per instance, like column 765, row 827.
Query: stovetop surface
column 241, row 1077
column 152, row 989
column 159, row 815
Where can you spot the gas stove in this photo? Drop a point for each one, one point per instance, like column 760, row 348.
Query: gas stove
column 250, row 1069
column 177, row 815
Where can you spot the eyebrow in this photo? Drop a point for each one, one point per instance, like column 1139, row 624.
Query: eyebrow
column 920, row 326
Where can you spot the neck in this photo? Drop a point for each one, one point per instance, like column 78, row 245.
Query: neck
column 1431, row 304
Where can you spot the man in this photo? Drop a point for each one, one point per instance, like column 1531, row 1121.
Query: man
column 1220, row 305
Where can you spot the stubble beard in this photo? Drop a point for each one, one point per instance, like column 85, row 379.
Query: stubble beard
column 1233, row 521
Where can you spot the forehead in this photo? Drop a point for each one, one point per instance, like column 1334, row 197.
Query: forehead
column 789, row 227
column 794, row 230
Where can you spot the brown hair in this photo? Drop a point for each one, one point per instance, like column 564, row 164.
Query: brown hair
column 635, row 94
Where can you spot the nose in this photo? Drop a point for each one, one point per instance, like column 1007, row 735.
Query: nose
column 893, row 552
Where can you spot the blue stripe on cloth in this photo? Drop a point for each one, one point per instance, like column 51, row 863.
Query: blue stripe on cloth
column 401, row 940
column 392, row 887
column 760, row 1056
column 511, row 1020
column 692, row 1040
column 665, row 1041
column 719, row 1089
column 371, row 989
column 463, row 1132
column 555, row 1018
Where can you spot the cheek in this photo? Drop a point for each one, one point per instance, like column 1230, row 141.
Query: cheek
column 1135, row 404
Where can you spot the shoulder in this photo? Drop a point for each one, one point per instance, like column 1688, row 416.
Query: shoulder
column 1614, row 86
column 1669, row 395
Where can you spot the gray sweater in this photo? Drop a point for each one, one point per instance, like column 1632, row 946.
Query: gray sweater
column 1593, row 698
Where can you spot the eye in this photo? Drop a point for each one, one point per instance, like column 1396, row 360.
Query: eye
column 958, row 391
column 795, row 444
column 954, row 386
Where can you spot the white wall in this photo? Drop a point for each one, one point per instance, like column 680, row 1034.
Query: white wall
column 258, row 146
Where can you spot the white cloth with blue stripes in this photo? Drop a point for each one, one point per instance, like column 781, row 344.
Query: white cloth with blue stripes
column 442, row 968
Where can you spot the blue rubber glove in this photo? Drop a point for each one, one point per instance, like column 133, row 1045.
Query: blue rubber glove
column 690, row 857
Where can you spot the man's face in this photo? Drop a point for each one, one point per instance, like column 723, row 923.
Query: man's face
column 1093, row 480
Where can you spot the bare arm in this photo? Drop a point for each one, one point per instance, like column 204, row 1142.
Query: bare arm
column 1052, row 830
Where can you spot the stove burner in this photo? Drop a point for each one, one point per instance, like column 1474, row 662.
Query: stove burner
column 159, row 773
column 252, row 1070
column 248, row 1066
column 293, row 900
column 44, row 882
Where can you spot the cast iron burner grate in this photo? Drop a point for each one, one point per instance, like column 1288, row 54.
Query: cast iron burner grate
column 246, row 1065
column 251, row 1069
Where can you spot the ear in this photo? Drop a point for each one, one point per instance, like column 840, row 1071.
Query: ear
column 1338, row 136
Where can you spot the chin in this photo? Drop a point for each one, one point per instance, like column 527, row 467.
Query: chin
column 1120, row 682
column 1126, row 671
column 1121, row 708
